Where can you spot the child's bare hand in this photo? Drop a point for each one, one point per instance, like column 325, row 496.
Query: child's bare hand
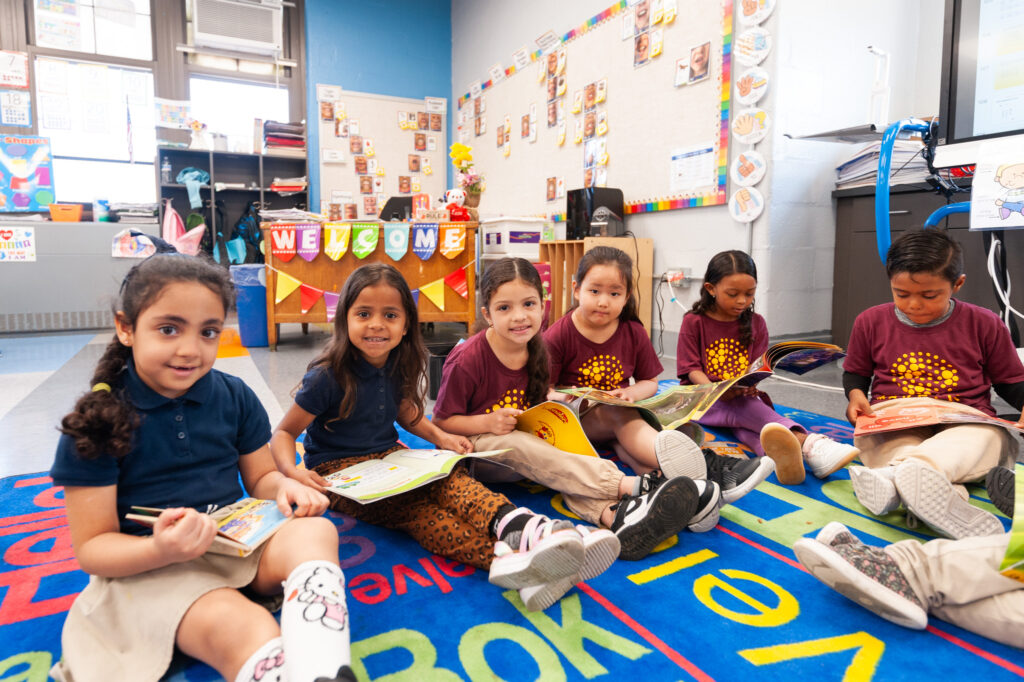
column 307, row 500
column 503, row 420
column 459, row 444
column 182, row 534
column 309, row 478
column 859, row 406
column 623, row 393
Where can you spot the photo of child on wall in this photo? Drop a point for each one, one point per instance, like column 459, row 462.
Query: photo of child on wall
column 370, row 205
column 351, row 211
column 360, row 163
column 414, row 163
column 365, row 184
column 524, row 126
column 641, row 47
column 642, row 12
column 404, row 184
column 699, row 62
column 589, row 96
column 326, row 111
column 422, row 120
column 340, row 128
column 420, row 143
column 589, row 125
column 435, row 122
column 552, row 88
column 552, row 114
column 355, row 144
column 501, row 135
column 551, row 186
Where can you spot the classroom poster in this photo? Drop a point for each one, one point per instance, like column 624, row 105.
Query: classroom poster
column 17, row 244
column 28, row 174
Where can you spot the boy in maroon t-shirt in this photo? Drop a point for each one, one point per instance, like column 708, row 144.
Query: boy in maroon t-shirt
column 926, row 347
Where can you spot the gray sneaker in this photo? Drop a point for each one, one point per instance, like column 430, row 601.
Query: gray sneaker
column 930, row 496
column 866, row 575
column 875, row 489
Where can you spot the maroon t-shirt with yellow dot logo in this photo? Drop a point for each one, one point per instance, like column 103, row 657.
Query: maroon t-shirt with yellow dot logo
column 714, row 347
column 958, row 360
column 578, row 361
column 475, row 382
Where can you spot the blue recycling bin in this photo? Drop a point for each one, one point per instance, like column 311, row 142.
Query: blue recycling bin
column 251, row 301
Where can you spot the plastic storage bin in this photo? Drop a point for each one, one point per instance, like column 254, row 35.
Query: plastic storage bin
column 66, row 213
column 513, row 236
column 251, row 286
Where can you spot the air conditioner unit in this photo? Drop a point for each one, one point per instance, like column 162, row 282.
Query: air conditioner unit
column 252, row 26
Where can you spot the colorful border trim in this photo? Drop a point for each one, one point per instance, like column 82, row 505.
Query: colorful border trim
column 718, row 197
column 715, row 198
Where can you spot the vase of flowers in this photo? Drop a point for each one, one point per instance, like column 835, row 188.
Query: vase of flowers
column 469, row 180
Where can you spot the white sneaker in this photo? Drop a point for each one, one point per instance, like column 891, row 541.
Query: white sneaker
column 600, row 550
column 679, row 456
column 708, row 505
column 875, row 489
column 547, row 551
column 782, row 446
column 826, row 456
column 930, row 496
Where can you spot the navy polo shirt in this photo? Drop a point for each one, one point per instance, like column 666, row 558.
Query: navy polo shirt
column 184, row 452
column 368, row 429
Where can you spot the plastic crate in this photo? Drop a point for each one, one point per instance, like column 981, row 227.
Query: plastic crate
column 66, row 213
column 513, row 236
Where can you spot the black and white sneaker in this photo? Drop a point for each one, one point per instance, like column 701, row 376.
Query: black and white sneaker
column 1001, row 484
column 642, row 522
column 736, row 476
column 708, row 503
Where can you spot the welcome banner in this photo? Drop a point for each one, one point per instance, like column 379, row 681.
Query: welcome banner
column 282, row 242
column 396, row 240
column 364, row 239
column 308, row 237
column 336, row 239
column 424, row 240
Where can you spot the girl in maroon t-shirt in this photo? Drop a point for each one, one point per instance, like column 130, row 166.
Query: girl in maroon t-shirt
column 718, row 339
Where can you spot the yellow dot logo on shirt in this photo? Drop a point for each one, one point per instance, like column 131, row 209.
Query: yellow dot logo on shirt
column 726, row 358
column 921, row 374
column 514, row 398
column 604, row 372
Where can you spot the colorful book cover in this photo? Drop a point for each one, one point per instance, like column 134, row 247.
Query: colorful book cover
column 1013, row 563
column 559, row 425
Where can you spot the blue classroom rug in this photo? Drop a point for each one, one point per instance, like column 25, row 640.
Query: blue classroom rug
column 729, row 604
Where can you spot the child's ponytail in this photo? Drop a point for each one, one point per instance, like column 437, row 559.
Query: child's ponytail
column 102, row 420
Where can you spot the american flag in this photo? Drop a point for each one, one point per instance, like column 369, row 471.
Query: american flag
column 131, row 150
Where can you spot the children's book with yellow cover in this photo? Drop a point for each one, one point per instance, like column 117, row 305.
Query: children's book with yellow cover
column 396, row 473
column 241, row 527
column 558, row 424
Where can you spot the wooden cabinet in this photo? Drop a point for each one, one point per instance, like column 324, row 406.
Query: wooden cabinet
column 859, row 279
column 564, row 257
column 254, row 172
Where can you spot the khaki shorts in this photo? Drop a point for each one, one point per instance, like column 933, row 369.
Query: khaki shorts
column 124, row 629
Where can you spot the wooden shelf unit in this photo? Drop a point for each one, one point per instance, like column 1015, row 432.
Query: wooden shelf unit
column 564, row 257
column 330, row 275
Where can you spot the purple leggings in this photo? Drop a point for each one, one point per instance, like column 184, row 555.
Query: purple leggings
column 745, row 415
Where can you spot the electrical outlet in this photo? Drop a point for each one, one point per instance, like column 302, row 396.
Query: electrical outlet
column 678, row 276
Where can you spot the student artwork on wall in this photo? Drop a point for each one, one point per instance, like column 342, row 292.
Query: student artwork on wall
column 604, row 89
column 26, row 163
column 386, row 153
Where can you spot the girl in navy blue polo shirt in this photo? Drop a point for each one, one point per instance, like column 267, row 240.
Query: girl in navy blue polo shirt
column 162, row 428
column 372, row 372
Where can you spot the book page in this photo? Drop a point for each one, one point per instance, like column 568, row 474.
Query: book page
column 253, row 523
column 1012, row 565
column 372, row 478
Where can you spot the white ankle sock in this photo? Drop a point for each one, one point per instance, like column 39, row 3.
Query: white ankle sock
column 269, row 658
column 314, row 621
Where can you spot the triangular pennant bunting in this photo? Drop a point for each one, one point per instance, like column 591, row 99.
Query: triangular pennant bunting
column 308, row 236
column 396, row 240
column 331, row 301
column 336, row 239
column 364, row 239
column 286, row 284
column 453, row 239
column 424, row 240
column 416, row 297
column 282, row 242
column 309, row 296
column 434, row 292
column 457, row 281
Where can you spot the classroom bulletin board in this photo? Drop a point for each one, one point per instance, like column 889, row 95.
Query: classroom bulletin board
column 373, row 147
column 636, row 97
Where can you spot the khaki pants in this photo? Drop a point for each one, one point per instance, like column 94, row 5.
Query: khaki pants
column 589, row 485
column 960, row 583
column 962, row 452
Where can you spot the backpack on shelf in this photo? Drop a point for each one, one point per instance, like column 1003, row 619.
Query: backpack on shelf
column 246, row 237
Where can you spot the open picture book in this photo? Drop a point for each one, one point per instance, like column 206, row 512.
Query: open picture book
column 913, row 416
column 677, row 405
column 250, row 523
column 398, row 472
